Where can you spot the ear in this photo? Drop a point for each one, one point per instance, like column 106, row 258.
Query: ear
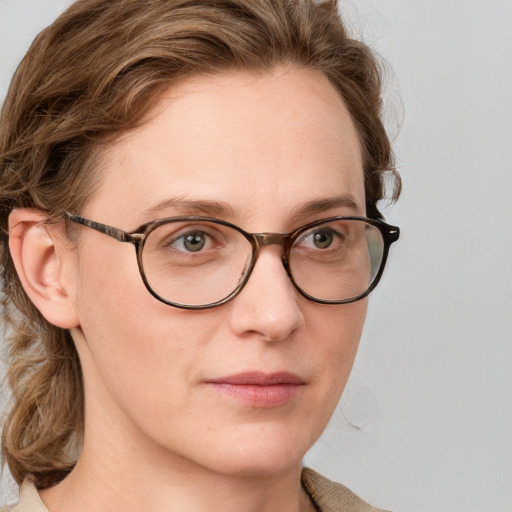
column 43, row 259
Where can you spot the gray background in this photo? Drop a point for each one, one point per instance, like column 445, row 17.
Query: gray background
column 426, row 421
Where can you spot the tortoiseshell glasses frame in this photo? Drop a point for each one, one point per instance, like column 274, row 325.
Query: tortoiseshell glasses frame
column 287, row 241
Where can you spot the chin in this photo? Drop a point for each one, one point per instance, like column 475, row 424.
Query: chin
column 261, row 453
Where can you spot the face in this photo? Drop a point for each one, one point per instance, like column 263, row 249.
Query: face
column 246, row 387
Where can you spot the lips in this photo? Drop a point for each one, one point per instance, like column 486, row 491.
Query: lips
column 259, row 389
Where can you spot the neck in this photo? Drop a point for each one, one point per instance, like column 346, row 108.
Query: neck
column 99, row 485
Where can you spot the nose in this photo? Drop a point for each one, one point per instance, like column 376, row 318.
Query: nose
column 269, row 306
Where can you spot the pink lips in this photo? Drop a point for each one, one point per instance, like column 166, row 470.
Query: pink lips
column 259, row 389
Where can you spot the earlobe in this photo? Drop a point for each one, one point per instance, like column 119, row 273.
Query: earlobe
column 40, row 256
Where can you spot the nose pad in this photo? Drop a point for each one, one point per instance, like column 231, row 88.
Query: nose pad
column 268, row 306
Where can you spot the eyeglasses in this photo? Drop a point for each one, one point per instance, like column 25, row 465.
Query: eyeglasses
column 195, row 262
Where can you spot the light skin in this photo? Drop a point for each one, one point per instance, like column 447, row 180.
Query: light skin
column 268, row 152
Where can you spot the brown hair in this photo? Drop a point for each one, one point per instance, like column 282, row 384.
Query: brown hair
column 95, row 73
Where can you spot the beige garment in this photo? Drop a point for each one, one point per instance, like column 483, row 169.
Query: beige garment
column 29, row 500
column 326, row 495
column 332, row 497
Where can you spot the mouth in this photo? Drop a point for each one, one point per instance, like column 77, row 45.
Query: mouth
column 259, row 389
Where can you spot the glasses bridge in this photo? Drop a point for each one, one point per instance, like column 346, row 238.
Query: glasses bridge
column 271, row 239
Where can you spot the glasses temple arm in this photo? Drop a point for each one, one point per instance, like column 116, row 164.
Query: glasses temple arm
column 118, row 234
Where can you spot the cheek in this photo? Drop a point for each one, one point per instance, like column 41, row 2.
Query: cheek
column 337, row 333
column 110, row 294
column 126, row 332
column 129, row 333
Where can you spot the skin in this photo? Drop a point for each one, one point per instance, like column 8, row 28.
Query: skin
column 157, row 437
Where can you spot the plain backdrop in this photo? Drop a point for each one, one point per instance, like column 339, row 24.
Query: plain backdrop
column 426, row 421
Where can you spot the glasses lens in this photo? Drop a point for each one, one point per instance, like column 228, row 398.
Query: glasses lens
column 337, row 260
column 195, row 263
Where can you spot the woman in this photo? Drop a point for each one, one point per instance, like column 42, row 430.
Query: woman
column 238, row 146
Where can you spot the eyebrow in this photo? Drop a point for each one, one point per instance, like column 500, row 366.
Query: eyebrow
column 192, row 207
column 325, row 204
column 223, row 209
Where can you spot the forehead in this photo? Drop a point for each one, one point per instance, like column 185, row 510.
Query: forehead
column 254, row 141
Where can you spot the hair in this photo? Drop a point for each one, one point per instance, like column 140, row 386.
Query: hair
column 89, row 77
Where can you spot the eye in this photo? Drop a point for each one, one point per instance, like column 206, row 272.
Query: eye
column 194, row 241
column 321, row 238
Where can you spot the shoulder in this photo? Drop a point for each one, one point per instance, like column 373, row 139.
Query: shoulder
column 332, row 497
